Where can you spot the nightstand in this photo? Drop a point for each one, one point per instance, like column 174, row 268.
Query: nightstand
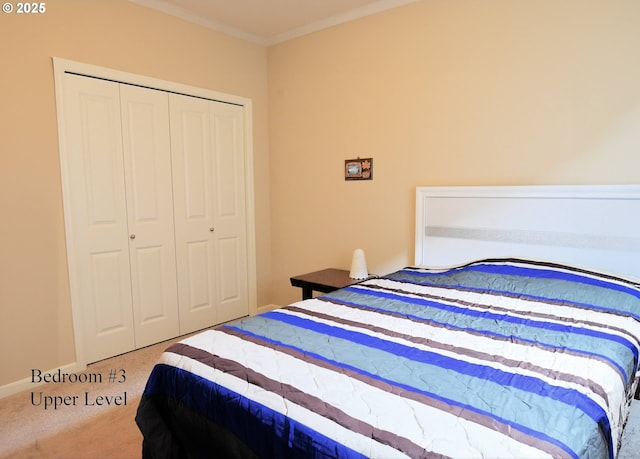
column 325, row 281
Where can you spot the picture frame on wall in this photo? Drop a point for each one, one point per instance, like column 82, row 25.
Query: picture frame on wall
column 358, row 169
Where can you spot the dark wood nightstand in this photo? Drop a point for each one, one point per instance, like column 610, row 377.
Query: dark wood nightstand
column 325, row 281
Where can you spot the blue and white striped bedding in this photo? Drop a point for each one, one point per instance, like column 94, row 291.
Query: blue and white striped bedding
column 495, row 359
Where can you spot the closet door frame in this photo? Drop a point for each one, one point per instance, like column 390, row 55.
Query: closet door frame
column 62, row 66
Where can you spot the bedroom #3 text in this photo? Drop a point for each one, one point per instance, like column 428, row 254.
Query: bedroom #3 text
column 54, row 400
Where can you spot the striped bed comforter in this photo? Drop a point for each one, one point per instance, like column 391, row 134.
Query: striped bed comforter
column 495, row 359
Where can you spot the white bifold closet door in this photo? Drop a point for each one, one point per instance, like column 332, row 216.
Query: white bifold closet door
column 152, row 251
column 97, row 222
column 122, row 214
column 155, row 213
column 209, row 197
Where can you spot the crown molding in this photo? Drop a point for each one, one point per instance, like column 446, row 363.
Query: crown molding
column 196, row 19
column 352, row 15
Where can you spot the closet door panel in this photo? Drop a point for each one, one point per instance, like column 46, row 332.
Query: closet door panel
column 198, row 259
column 97, row 215
column 230, row 210
column 230, row 274
column 147, row 167
column 106, row 282
column 194, row 198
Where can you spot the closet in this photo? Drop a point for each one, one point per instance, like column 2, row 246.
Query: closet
column 155, row 212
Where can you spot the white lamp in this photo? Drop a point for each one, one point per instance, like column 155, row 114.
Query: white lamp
column 358, row 265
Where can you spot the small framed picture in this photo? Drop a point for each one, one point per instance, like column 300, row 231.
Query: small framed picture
column 358, row 169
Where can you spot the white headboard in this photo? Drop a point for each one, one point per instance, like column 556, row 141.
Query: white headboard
column 595, row 227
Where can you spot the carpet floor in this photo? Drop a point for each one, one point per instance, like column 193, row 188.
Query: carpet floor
column 92, row 429
column 86, row 427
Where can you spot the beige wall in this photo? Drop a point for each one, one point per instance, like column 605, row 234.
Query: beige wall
column 35, row 312
column 443, row 92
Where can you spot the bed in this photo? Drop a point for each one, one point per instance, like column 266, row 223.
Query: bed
column 514, row 335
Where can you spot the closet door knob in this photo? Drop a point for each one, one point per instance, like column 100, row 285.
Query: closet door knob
column 132, row 236
column 212, row 229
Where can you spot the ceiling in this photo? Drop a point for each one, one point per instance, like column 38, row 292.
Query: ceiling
column 269, row 22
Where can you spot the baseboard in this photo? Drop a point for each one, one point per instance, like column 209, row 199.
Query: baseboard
column 267, row 308
column 27, row 383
